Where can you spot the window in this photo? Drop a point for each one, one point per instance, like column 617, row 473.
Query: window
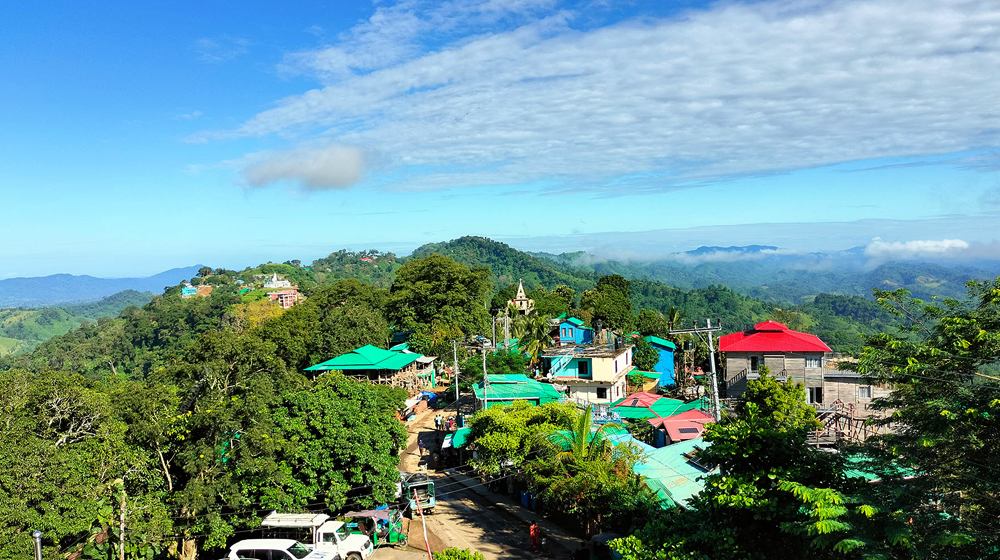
column 865, row 392
column 602, row 392
column 254, row 554
column 815, row 395
column 754, row 364
column 298, row 550
column 563, row 332
column 570, row 333
column 814, row 361
column 582, row 370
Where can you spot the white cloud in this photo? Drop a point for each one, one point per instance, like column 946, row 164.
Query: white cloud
column 896, row 250
column 333, row 167
column 190, row 116
column 220, row 49
column 734, row 89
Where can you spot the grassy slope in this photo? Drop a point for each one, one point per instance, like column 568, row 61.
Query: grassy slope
column 30, row 327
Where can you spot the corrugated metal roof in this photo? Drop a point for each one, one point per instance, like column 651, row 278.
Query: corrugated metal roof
column 660, row 407
column 367, row 357
column 661, row 342
column 771, row 336
column 527, row 389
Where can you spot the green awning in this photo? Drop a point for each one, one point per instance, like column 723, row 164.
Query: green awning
column 460, row 437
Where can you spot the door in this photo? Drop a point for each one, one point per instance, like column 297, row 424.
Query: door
column 754, row 364
column 582, row 370
column 815, row 395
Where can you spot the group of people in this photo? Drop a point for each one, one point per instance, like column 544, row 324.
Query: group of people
column 445, row 424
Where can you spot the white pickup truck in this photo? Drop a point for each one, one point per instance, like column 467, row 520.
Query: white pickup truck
column 276, row 549
column 326, row 535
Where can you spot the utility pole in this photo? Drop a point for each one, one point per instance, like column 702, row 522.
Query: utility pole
column 708, row 329
column 494, row 339
column 486, row 382
column 506, row 332
column 454, row 347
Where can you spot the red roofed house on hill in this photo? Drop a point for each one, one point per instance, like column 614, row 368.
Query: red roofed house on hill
column 790, row 355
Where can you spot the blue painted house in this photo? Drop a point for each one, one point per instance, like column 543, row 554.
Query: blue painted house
column 572, row 331
column 665, row 365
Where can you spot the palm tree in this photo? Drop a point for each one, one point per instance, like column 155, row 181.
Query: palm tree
column 577, row 441
column 533, row 332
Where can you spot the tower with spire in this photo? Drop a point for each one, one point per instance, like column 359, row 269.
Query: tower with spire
column 521, row 301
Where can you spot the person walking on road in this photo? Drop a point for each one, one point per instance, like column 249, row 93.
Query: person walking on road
column 535, row 536
column 420, row 447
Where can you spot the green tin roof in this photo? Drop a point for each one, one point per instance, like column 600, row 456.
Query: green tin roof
column 507, row 388
column 661, row 342
column 662, row 408
column 672, row 471
column 578, row 322
column 367, row 357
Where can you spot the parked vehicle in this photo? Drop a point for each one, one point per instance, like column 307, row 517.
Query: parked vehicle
column 600, row 544
column 277, row 549
column 418, row 487
column 383, row 526
column 325, row 535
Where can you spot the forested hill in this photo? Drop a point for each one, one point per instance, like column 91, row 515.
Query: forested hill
column 508, row 265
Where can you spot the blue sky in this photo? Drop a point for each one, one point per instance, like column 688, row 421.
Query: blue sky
column 141, row 136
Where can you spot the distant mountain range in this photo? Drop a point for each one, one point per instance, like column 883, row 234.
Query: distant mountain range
column 58, row 289
column 782, row 276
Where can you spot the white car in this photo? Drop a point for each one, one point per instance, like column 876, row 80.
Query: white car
column 277, row 549
column 327, row 536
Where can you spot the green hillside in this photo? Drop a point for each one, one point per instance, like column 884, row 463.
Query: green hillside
column 9, row 345
column 30, row 327
column 508, row 265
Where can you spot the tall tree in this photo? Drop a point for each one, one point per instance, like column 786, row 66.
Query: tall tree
column 436, row 289
column 944, row 411
column 646, row 356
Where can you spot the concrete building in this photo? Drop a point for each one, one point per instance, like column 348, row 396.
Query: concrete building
column 285, row 298
column 275, row 283
column 592, row 373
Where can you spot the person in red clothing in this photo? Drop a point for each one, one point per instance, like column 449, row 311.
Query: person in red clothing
column 535, row 535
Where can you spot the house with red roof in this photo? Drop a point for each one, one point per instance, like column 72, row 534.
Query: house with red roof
column 684, row 426
column 789, row 355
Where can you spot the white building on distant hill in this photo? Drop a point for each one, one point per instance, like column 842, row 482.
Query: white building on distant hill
column 276, row 284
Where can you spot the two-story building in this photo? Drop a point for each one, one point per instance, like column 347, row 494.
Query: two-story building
column 789, row 355
column 590, row 372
